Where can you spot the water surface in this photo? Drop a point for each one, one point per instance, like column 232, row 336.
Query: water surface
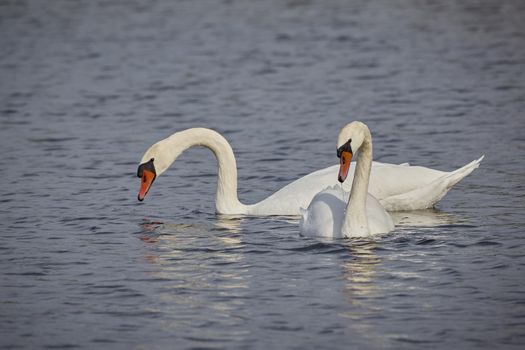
column 87, row 86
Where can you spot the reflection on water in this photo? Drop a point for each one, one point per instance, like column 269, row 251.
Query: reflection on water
column 360, row 272
column 230, row 223
column 364, row 291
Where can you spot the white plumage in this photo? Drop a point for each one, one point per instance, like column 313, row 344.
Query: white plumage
column 416, row 188
column 376, row 187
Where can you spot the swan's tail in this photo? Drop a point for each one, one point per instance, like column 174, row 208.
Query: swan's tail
column 457, row 175
column 446, row 182
column 428, row 195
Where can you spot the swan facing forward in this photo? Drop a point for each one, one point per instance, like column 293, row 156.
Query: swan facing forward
column 414, row 187
column 327, row 215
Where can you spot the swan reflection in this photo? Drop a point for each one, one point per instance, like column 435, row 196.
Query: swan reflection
column 364, row 295
column 189, row 261
column 425, row 218
column 362, row 269
column 360, row 273
column 230, row 223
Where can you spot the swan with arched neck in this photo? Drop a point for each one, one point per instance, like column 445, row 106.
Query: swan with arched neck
column 416, row 187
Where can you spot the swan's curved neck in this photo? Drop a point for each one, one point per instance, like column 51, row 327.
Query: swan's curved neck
column 355, row 220
column 226, row 201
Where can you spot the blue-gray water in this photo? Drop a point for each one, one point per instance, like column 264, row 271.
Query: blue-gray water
column 86, row 86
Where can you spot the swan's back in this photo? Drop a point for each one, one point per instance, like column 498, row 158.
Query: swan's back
column 398, row 187
column 324, row 215
column 386, row 180
column 298, row 194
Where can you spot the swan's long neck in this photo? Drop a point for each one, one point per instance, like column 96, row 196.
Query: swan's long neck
column 355, row 222
column 226, row 201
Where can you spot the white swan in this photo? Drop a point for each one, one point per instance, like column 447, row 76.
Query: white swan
column 327, row 215
column 397, row 187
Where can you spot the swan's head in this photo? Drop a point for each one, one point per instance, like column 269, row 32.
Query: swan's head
column 153, row 163
column 148, row 174
column 350, row 138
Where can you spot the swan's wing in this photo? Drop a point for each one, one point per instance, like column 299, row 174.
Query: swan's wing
column 388, row 180
column 326, row 212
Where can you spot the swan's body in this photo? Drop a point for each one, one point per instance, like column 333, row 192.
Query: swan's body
column 326, row 212
column 327, row 215
column 397, row 187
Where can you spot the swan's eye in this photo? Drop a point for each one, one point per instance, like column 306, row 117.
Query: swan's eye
column 146, row 166
column 345, row 147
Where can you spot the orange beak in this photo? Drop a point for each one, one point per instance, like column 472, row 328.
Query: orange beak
column 346, row 158
column 147, row 179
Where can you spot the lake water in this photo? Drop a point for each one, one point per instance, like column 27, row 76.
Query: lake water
column 87, row 86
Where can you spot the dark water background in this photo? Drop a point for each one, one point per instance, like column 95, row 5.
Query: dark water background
column 86, row 86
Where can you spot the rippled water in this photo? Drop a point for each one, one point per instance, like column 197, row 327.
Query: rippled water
column 87, row 86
